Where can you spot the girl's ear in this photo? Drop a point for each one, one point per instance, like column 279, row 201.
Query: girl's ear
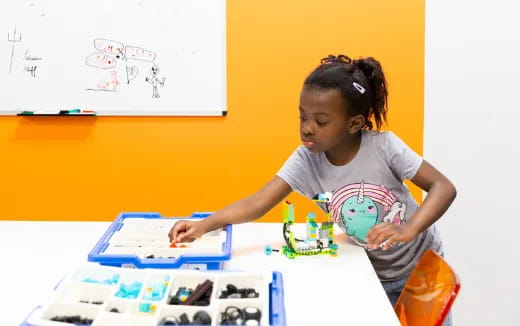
column 356, row 123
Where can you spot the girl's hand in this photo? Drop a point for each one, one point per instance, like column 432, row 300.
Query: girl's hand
column 389, row 233
column 185, row 231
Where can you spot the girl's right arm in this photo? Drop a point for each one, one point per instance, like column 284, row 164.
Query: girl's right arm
column 244, row 210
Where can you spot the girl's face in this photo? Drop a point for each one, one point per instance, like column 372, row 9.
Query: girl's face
column 324, row 123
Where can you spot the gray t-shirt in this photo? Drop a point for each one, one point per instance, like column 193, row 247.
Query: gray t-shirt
column 366, row 191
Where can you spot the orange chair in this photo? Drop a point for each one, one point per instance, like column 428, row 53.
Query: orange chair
column 429, row 293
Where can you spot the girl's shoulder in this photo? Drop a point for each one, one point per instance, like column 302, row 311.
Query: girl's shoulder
column 303, row 153
column 377, row 137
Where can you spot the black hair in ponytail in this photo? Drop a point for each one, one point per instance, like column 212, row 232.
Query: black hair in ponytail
column 361, row 82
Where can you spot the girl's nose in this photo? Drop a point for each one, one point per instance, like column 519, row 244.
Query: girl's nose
column 307, row 129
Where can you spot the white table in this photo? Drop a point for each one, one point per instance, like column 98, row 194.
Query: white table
column 319, row 290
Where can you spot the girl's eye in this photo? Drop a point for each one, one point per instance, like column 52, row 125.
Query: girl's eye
column 303, row 118
column 321, row 123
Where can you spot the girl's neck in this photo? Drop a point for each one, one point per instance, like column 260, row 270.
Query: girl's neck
column 345, row 151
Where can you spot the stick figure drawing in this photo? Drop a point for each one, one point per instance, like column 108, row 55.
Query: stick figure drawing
column 155, row 81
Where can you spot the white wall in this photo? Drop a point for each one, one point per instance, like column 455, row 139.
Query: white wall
column 472, row 125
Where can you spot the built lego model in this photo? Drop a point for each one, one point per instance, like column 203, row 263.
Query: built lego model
column 319, row 238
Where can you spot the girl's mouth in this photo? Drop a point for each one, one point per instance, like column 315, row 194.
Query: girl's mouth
column 308, row 144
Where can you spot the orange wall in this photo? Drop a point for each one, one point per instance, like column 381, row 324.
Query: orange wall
column 81, row 168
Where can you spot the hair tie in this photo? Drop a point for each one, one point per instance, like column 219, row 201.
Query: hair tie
column 339, row 59
column 360, row 88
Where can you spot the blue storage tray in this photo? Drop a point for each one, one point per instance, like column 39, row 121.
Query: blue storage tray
column 276, row 306
column 210, row 261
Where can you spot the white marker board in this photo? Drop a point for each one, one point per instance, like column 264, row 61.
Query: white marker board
column 116, row 57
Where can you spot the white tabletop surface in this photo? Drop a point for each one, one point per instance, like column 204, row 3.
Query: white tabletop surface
column 319, row 290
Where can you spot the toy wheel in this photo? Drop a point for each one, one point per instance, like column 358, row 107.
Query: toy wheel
column 333, row 246
column 268, row 250
column 290, row 254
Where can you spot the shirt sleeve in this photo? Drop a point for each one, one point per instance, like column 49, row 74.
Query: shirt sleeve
column 403, row 160
column 294, row 171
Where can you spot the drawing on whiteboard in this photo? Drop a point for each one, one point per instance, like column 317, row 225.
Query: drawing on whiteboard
column 30, row 63
column 110, row 53
column 131, row 73
column 100, row 60
column 155, row 81
column 13, row 39
column 28, row 57
column 31, row 70
column 109, row 84
column 137, row 53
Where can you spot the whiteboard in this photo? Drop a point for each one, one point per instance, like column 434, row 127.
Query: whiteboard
column 116, row 57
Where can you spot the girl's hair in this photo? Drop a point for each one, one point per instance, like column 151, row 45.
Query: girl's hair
column 361, row 82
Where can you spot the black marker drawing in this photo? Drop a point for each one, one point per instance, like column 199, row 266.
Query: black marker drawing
column 26, row 56
column 31, row 69
column 136, row 53
column 30, row 63
column 13, row 39
column 131, row 73
column 155, row 81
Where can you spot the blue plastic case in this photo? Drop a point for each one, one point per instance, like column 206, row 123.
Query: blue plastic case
column 90, row 282
column 201, row 261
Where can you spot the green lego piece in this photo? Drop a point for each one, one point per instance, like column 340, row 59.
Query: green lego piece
column 288, row 213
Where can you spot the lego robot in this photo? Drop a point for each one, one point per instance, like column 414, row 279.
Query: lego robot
column 319, row 238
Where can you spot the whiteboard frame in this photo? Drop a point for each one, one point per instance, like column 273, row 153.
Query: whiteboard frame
column 6, row 109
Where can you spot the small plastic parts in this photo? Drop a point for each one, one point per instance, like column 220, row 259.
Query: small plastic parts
column 65, row 306
column 169, row 320
column 184, row 320
column 252, row 313
column 268, row 250
column 180, row 296
column 233, row 315
column 129, row 291
column 73, row 320
column 200, row 296
column 201, row 318
column 233, row 292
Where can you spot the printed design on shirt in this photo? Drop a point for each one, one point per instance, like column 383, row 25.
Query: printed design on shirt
column 355, row 206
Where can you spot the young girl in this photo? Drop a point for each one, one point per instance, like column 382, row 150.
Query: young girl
column 358, row 170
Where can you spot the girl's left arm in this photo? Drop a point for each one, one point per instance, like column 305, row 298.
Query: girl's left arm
column 441, row 193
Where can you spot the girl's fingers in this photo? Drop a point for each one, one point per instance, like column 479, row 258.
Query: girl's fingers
column 185, row 236
column 375, row 230
column 381, row 238
column 388, row 243
column 177, row 229
column 379, row 235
